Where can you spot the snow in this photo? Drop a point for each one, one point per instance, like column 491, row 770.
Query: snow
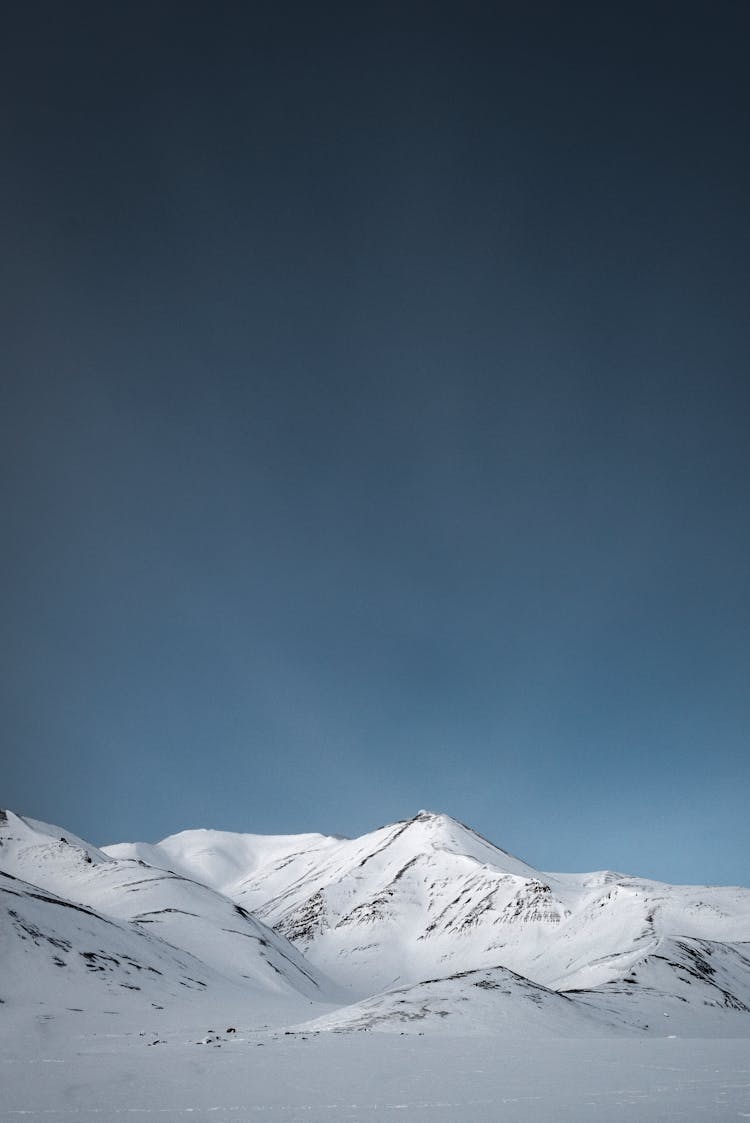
column 221, row 859
column 183, row 913
column 61, row 1076
column 418, row 972
column 429, row 897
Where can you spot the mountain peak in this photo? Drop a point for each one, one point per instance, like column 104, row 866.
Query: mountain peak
column 450, row 834
column 439, row 818
column 425, row 816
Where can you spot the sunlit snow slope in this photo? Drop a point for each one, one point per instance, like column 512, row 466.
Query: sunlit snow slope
column 185, row 921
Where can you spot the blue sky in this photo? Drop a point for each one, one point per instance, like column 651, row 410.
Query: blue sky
column 374, row 426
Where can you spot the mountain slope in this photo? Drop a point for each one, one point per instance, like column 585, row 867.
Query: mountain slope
column 66, row 956
column 219, row 933
column 683, row 986
column 422, row 879
column 492, row 1001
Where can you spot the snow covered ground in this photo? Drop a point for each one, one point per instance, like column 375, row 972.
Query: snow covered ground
column 58, row 1073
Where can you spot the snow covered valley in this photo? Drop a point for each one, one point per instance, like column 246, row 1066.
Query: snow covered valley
column 418, row 972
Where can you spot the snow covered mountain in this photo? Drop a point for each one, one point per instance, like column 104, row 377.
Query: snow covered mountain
column 59, row 892
column 429, row 897
column 701, row 986
column 419, row 924
column 491, row 1001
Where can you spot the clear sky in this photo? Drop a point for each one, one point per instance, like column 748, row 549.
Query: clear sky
column 374, row 423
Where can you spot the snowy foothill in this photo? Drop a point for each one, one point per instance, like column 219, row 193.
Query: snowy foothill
column 418, row 971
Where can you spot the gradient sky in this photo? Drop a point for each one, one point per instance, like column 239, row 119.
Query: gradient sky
column 375, row 426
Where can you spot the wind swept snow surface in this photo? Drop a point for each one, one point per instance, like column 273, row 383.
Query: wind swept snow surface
column 355, row 1078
